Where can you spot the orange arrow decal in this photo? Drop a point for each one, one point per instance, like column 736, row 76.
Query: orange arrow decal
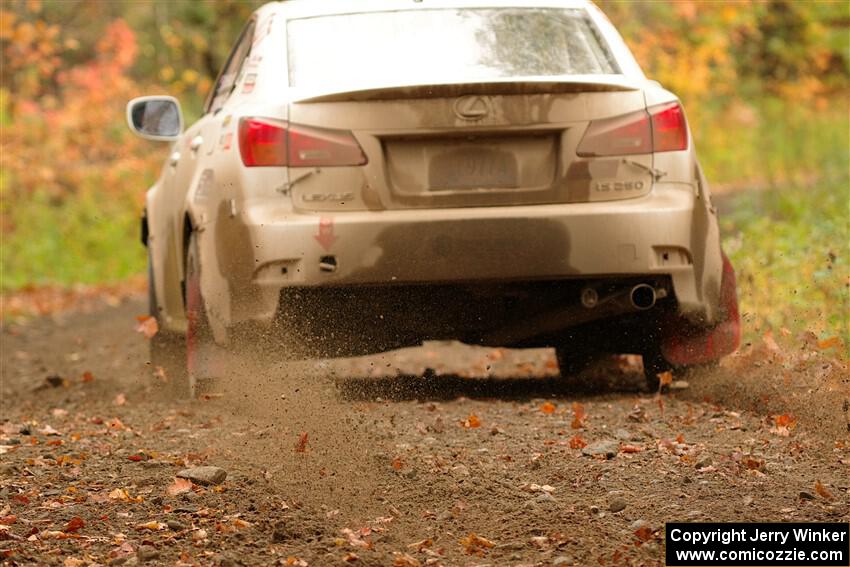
column 326, row 236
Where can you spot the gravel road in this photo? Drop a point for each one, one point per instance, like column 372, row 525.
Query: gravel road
column 440, row 455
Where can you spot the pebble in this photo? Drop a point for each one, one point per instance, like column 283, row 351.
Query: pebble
column 175, row 525
column 444, row 515
column 705, row 462
column 607, row 448
column 617, row 505
column 545, row 498
column 806, row 495
column 638, row 524
column 147, row 553
column 204, row 475
column 562, row 560
column 623, row 435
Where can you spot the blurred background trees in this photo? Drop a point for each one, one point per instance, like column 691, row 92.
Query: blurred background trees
column 765, row 86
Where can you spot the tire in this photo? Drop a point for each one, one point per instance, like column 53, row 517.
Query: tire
column 202, row 354
column 167, row 350
column 573, row 361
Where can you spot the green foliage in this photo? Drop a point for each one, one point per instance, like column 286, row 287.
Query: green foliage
column 789, row 247
column 82, row 240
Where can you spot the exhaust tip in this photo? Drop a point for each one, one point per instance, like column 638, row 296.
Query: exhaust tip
column 589, row 297
column 643, row 297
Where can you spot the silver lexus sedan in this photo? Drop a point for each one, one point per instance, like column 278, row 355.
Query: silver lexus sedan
column 369, row 175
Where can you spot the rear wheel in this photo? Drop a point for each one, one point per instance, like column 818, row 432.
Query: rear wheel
column 654, row 364
column 573, row 361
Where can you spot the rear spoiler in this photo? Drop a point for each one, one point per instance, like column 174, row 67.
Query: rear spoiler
column 511, row 86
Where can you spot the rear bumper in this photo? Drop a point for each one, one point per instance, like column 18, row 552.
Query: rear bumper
column 651, row 235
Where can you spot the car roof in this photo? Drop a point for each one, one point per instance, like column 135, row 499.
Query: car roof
column 309, row 8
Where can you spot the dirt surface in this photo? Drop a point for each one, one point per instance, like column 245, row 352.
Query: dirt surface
column 441, row 455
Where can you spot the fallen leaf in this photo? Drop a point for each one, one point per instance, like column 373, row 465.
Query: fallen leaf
column 405, row 560
column 630, row 449
column 785, row 420
column 147, row 326
column 179, row 486
column 823, row 491
column 75, row 524
column 122, row 495
column 8, row 520
column 350, row 557
column 301, row 444
column 397, row 463
column 73, row 562
column 87, row 376
column 665, row 378
column 355, row 539
column 120, row 400
column 578, row 416
column 643, row 534
column 47, row 430
column 577, row 442
column 153, row 525
column 476, row 545
column 419, row 545
column 239, row 523
column 831, row 342
column 548, row 408
column 472, row 421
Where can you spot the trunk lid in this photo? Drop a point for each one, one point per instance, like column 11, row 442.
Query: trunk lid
column 466, row 145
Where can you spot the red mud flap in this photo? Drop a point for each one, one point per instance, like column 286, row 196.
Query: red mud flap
column 682, row 344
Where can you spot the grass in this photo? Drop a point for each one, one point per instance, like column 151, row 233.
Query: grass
column 91, row 238
column 789, row 247
column 771, row 142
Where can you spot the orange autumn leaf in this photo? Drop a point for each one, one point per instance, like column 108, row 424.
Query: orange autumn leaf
column 147, row 326
column 87, row 376
column 578, row 416
column 397, row 463
column 74, row 524
column 823, row 491
column 577, row 442
column 179, row 486
column 630, row 449
column 472, row 421
column 680, row 438
column 785, row 420
column 548, row 408
column 301, row 444
column 665, row 378
column 831, row 342
column 476, row 545
column 643, row 534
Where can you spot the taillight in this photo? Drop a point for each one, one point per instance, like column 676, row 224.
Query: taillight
column 262, row 143
column 627, row 134
column 660, row 129
column 669, row 130
column 265, row 142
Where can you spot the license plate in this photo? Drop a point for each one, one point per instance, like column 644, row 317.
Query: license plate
column 472, row 168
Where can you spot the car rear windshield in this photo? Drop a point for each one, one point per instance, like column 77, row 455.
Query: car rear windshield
column 410, row 47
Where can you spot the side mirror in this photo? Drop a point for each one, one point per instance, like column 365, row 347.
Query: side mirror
column 155, row 117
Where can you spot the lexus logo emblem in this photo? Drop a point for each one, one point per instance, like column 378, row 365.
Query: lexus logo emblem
column 472, row 107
